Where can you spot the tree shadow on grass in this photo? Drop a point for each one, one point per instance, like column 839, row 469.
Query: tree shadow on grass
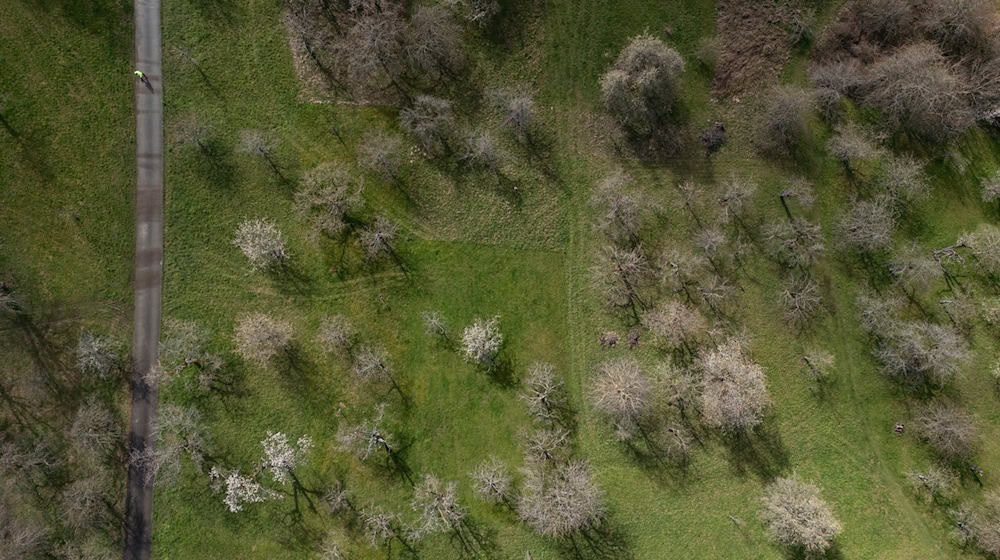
column 290, row 279
column 799, row 553
column 761, row 452
column 110, row 20
column 502, row 372
column 216, row 164
column 607, row 541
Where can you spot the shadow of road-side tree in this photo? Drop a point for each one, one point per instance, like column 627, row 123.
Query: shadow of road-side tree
column 760, row 451
column 215, row 163
column 110, row 20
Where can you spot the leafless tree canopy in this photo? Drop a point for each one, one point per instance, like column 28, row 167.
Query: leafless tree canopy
column 435, row 324
column 378, row 525
column 676, row 324
column 178, row 432
column 492, row 481
column 261, row 243
column 984, row 243
column 482, row 153
column 620, row 207
column 433, row 46
column 95, row 355
column 258, row 143
column 950, row 431
column 917, row 88
column 734, row 394
column 921, row 355
column 639, row 89
column 437, row 507
column 796, row 516
column 795, row 244
column 622, row 391
column 621, row 276
column 560, row 500
column 432, row 122
column 517, row 106
column 983, row 525
column 382, row 154
column 799, row 299
column 378, row 239
column 260, row 337
column 94, row 431
column 935, row 484
column 868, row 225
column 366, row 438
column 851, row 145
column 544, row 393
column 819, row 364
column 991, row 188
column 327, row 197
column 904, row 180
column 783, row 127
column 336, row 335
column 914, row 268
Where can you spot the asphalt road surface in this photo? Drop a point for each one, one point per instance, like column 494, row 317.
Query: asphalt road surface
column 148, row 270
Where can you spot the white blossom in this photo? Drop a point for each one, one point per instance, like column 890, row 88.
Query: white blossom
column 280, row 457
column 482, row 341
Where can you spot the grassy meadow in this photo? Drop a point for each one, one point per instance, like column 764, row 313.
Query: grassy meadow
column 471, row 250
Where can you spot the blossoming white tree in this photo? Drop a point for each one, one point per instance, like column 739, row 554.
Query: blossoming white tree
column 280, row 457
column 482, row 341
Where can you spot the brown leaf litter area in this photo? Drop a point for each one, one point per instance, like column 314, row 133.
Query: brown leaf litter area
column 754, row 42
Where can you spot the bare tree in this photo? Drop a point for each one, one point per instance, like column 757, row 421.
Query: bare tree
column 178, row 431
column 191, row 130
column 517, row 107
column 799, row 299
column 371, row 365
column 621, row 276
column 868, row 225
column 382, row 154
column 798, row 243
column 950, row 431
column 622, row 391
column 796, row 516
column 435, row 324
column 481, row 12
column 921, row 355
column 373, row 51
column 676, row 324
column 640, row 88
column 378, row 239
column 438, row 511
column 877, row 313
column 914, row 269
column 783, row 128
column 260, row 143
column 432, row 122
column 620, row 207
column 560, row 500
column 903, row 178
column 935, row 485
column 737, row 199
column 544, row 393
column 83, row 504
column 734, row 393
column 94, row 431
column 95, row 355
column 482, row 340
column 261, row 243
column 991, row 188
column 546, row 445
column 492, row 481
column 336, row 335
column 184, row 344
column 330, row 549
column 260, row 337
column 681, row 270
column 328, row 196
column 962, row 27
column 361, row 440
column 433, row 44
column 819, row 364
column 917, row 88
column 20, row 536
column 983, row 524
column 379, row 526
column 481, row 152
column 852, row 146
column 984, row 244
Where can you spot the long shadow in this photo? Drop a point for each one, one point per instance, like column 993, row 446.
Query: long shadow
column 760, row 451
column 215, row 163
column 503, row 372
column 604, row 541
column 291, row 279
column 110, row 20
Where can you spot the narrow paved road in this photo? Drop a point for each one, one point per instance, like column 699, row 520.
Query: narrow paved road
column 148, row 271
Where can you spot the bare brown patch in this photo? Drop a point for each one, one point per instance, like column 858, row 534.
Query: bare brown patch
column 753, row 41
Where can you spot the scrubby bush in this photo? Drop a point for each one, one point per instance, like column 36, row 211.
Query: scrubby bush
column 783, row 127
column 640, row 88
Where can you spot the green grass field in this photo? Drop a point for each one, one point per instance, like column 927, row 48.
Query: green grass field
column 471, row 252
